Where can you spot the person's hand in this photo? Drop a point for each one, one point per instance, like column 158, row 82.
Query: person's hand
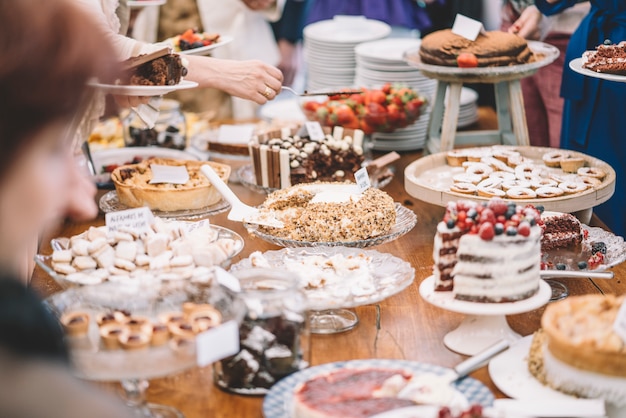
column 130, row 101
column 257, row 5
column 528, row 24
column 252, row 80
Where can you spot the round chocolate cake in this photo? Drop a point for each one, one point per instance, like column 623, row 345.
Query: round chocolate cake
column 491, row 49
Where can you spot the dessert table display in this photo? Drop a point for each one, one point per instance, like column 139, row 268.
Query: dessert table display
column 400, row 327
column 512, row 129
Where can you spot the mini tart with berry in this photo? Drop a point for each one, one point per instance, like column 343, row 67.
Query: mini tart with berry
column 75, row 323
column 160, row 334
column 133, row 187
column 110, row 334
column 205, row 318
column 134, row 340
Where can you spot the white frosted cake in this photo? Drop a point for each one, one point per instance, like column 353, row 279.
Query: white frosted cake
column 488, row 252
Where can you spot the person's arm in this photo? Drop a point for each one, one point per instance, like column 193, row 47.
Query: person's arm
column 552, row 7
column 252, row 80
column 528, row 26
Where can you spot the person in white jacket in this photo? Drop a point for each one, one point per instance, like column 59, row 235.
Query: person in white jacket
column 252, row 80
column 246, row 21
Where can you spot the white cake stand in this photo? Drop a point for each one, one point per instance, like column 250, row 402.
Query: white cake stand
column 485, row 323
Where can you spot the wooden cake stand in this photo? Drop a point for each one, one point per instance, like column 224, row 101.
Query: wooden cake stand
column 512, row 127
column 429, row 179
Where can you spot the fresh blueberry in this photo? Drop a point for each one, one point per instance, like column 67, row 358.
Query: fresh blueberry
column 582, row 265
column 511, row 231
column 598, row 247
column 608, row 42
column 472, row 213
column 509, row 213
column 450, row 224
column 499, row 229
column 560, row 266
column 540, row 208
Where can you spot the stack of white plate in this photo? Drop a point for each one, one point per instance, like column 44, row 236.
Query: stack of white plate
column 329, row 49
column 468, row 111
column 381, row 62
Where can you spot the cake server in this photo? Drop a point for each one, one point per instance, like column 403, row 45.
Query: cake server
column 586, row 274
column 477, row 361
column 239, row 211
column 324, row 93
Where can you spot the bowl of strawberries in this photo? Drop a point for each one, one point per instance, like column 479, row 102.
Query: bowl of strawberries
column 382, row 109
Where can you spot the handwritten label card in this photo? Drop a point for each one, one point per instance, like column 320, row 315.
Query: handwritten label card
column 236, row 134
column 139, row 219
column 362, row 178
column 620, row 323
column 467, row 27
column 227, row 280
column 217, row 343
column 315, row 130
column 173, row 174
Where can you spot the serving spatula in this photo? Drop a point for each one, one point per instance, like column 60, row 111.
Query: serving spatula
column 239, row 211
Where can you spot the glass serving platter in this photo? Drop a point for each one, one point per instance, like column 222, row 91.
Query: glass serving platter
column 615, row 251
column 94, row 362
column 405, row 221
column 45, row 261
column 378, row 277
column 247, row 178
column 109, row 202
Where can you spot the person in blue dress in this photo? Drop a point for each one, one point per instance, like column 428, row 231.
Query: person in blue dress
column 595, row 109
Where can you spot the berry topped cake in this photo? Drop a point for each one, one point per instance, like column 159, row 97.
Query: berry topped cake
column 488, row 50
column 488, row 252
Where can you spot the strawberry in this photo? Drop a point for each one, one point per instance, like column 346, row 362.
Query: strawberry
column 524, row 229
column 486, row 231
column 467, row 60
column 498, row 206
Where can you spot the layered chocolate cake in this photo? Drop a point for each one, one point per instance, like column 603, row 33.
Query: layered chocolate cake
column 488, row 252
column 606, row 59
column 281, row 159
column 165, row 69
column 560, row 230
column 491, row 49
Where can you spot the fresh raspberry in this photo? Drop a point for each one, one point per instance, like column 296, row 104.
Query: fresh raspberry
column 523, row 229
column 487, row 215
column 498, row 206
column 486, row 231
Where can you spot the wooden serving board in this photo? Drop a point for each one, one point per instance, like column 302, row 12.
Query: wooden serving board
column 429, row 179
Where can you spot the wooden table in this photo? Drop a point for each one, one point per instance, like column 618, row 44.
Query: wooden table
column 401, row 327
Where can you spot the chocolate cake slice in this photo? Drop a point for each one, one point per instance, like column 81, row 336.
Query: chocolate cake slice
column 160, row 68
column 610, row 59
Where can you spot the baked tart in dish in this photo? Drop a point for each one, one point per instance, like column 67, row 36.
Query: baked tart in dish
column 132, row 183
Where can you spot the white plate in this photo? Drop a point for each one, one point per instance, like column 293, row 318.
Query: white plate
column 381, row 277
column 386, row 50
column 277, row 402
column 125, row 90
column 577, row 66
column 347, row 29
column 223, row 40
column 145, row 3
column 509, row 372
column 287, row 109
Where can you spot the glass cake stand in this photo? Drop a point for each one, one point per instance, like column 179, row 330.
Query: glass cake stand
column 405, row 221
column 133, row 368
column 385, row 276
column 485, row 323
